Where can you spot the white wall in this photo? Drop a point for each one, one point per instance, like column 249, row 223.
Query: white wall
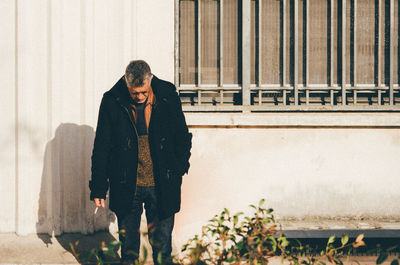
column 59, row 57
column 316, row 170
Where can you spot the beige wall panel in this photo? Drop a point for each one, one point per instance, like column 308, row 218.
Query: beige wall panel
column 288, row 39
column 348, row 36
column 102, row 76
column 32, row 109
column 230, row 42
column 335, row 53
column 155, row 36
column 209, row 39
column 7, row 108
column 187, row 40
column 318, row 45
column 115, row 40
column 365, row 38
column 383, row 57
column 385, row 44
column 71, row 108
column 301, row 42
column 271, row 41
column 253, row 40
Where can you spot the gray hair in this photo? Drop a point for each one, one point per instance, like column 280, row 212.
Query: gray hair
column 136, row 72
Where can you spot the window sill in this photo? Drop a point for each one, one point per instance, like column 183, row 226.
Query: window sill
column 295, row 119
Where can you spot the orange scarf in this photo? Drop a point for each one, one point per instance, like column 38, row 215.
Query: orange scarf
column 151, row 99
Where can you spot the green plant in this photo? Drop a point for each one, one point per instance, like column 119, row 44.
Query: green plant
column 111, row 250
column 98, row 253
column 255, row 240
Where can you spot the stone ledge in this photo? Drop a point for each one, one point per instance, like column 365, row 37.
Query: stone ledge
column 371, row 120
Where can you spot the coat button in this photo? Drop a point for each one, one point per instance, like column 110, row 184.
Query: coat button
column 162, row 140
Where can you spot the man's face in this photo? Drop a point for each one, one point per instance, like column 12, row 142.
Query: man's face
column 140, row 94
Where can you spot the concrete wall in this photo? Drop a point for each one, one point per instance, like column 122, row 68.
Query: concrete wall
column 58, row 57
column 317, row 170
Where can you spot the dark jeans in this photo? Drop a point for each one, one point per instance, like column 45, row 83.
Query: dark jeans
column 159, row 231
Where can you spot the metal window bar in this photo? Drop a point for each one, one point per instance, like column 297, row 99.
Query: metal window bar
column 296, row 52
column 331, row 49
column 269, row 96
column 176, row 44
column 259, row 44
column 221, row 45
column 391, row 52
column 284, row 54
column 307, row 55
column 379, row 72
column 355, row 44
column 198, row 48
column 343, row 62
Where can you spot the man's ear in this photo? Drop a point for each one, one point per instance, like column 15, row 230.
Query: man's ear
column 126, row 82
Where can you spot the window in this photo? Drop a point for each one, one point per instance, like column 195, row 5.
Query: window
column 262, row 55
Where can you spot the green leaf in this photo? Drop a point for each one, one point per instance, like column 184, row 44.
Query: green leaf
column 240, row 245
column 111, row 252
column 285, row 243
column 114, row 244
column 345, row 239
column 395, row 262
column 235, row 219
column 338, row 262
column 226, row 211
column 382, row 257
column 213, row 220
column 321, row 262
column 159, row 258
column 261, row 202
column 184, row 247
column 145, row 253
column 331, row 239
column 391, row 248
column 84, row 257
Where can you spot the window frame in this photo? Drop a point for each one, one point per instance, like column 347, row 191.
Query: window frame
column 253, row 93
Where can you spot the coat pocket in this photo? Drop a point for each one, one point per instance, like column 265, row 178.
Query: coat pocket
column 174, row 177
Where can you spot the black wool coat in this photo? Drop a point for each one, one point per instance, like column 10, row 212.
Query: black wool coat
column 115, row 150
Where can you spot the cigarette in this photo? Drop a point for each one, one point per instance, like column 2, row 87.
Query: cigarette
column 95, row 211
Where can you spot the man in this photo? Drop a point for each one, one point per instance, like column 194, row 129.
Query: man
column 141, row 151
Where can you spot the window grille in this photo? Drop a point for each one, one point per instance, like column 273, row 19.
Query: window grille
column 262, row 55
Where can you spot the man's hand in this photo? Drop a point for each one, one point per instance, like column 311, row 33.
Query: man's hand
column 99, row 202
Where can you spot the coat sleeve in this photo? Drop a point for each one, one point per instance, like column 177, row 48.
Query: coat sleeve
column 182, row 138
column 101, row 149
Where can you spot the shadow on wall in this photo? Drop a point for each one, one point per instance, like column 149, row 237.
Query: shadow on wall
column 64, row 205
